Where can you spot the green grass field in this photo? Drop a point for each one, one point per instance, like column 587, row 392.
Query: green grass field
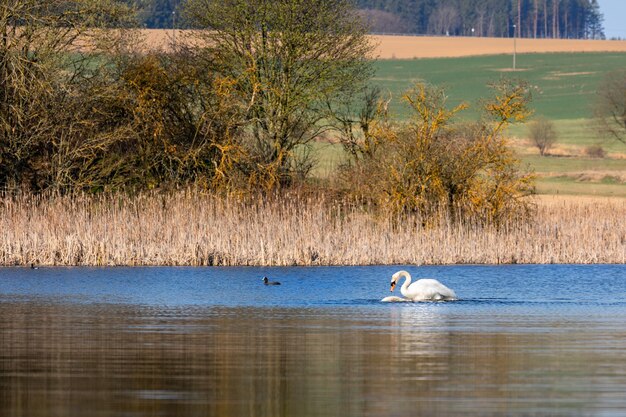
column 563, row 84
column 563, row 87
column 575, row 133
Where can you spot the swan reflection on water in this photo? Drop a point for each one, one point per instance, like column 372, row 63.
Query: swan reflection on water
column 421, row 290
column 422, row 345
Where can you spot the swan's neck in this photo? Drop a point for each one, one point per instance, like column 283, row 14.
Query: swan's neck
column 407, row 282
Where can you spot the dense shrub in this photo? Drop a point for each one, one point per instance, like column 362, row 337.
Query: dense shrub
column 434, row 163
column 49, row 50
column 595, row 151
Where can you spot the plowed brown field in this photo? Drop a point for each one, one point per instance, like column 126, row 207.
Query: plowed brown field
column 408, row 47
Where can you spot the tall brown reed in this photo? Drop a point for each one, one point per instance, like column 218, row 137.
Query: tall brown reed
column 192, row 228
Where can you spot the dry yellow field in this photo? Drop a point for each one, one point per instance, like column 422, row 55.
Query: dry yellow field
column 409, row 47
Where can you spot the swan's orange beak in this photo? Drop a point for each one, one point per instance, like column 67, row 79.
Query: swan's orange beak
column 393, row 285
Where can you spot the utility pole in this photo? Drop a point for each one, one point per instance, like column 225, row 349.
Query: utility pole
column 514, row 46
column 174, row 28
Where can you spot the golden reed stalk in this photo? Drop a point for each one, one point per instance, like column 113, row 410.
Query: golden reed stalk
column 191, row 228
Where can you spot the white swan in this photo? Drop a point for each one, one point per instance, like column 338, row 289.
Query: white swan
column 422, row 289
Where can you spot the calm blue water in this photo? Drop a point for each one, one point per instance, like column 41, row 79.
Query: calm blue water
column 547, row 285
column 522, row 340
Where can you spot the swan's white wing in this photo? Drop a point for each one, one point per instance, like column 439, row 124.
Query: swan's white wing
column 429, row 289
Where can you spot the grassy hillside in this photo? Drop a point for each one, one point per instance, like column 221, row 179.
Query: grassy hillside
column 563, row 84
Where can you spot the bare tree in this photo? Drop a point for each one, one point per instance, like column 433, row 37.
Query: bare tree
column 46, row 47
column 289, row 61
column 481, row 16
column 535, row 17
column 555, row 19
column 519, row 18
column 610, row 108
column 543, row 134
column 545, row 18
column 380, row 21
column 444, row 20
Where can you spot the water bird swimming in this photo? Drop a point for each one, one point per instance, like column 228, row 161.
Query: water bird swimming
column 266, row 281
column 421, row 290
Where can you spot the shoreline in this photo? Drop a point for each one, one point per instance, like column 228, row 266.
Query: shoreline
column 39, row 267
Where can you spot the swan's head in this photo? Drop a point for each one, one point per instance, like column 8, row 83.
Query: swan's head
column 394, row 281
column 395, row 277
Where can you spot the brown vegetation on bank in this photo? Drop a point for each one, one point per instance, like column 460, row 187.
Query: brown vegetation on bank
column 194, row 228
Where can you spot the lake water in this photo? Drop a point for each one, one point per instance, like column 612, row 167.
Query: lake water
column 522, row 341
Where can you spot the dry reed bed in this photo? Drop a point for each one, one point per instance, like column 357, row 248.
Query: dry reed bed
column 189, row 228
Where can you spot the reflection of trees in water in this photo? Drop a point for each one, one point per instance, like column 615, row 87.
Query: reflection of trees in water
column 60, row 359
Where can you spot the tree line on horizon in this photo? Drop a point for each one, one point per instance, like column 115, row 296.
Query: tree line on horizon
column 562, row 19
column 567, row 19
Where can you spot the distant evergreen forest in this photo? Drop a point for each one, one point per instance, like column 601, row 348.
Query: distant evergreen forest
column 573, row 19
